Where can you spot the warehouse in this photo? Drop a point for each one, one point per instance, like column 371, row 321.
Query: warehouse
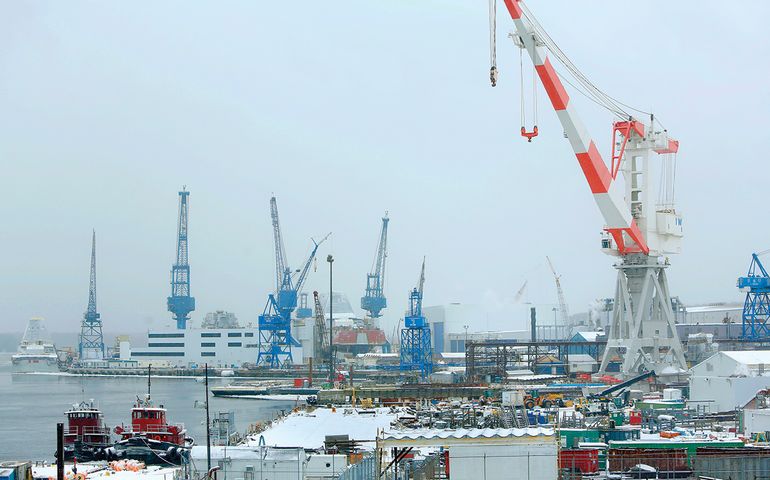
column 727, row 380
column 490, row 454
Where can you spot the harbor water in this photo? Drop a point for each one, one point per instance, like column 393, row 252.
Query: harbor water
column 32, row 405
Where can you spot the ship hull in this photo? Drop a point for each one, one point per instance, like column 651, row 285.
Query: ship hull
column 151, row 452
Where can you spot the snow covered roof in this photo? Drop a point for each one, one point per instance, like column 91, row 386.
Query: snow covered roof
column 749, row 357
column 462, row 433
column 590, row 336
column 714, row 308
column 309, row 429
column 581, row 358
column 248, row 453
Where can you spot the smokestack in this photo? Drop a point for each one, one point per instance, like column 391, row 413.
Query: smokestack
column 533, row 323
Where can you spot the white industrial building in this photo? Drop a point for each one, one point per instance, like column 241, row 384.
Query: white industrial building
column 219, row 347
column 491, row 454
column 728, row 380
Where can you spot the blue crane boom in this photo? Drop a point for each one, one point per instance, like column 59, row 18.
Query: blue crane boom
column 374, row 300
column 180, row 303
column 756, row 307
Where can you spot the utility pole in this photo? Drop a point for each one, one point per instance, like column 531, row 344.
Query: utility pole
column 330, row 259
column 59, row 451
column 208, row 421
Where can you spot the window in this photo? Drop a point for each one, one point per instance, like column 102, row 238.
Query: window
column 251, row 345
column 234, row 334
column 166, row 335
column 233, row 344
column 208, row 344
column 248, row 334
column 210, row 335
column 207, row 354
column 157, row 354
column 165, row 344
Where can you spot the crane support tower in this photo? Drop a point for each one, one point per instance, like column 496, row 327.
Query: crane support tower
column 91, row 345
column 374, row 300
column 321, row 337
column 639, row 231
column 275, row 338
column 756, row 308
column 416, row 346
column 180, row 303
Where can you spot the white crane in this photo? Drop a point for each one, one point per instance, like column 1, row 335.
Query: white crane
column 563, row 311
column 638, row 230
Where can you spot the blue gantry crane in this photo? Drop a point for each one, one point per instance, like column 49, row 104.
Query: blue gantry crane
column 416, row 347
column 180, row 303
column 374, row 299
column 756, row 308
column 275, row 338
column 91, row 345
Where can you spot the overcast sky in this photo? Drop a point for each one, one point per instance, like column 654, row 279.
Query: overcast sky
column 344, row 110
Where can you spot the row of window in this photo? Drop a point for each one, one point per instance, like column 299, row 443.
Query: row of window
column 157, row 354
column 165, row 344
column 166, row 335
column 229, row 334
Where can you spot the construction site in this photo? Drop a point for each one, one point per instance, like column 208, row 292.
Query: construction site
column 639, row 385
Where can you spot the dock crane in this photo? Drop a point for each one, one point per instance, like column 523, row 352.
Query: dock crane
column 416, row 347
column 275, row 338
column 756, row 307
column 181, row 303
column 320, row 335
column 563, row 311
column 638, row 230
column 374, row 299
column 91, row 344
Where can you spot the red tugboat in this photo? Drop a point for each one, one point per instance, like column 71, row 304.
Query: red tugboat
column 86, row 437
column 150, row 438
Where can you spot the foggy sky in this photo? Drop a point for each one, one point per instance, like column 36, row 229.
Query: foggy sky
column 344, row 110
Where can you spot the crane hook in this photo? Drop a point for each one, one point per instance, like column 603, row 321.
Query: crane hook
column 493, row 75
column 529, row 135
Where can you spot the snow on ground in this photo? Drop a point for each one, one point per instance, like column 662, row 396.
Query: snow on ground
column 102, row 471
column 309, row 429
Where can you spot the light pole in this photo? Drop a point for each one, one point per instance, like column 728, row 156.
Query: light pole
column 330, row 259
column 466, row 337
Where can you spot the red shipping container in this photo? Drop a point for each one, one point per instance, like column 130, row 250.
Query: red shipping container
column 298, row 382
column 579, row 460
column 635, row 417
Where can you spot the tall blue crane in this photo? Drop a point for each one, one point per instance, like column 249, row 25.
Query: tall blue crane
column 756, row 308
column 180, row 303
column 416, row 348
column 275, row 338
column 91, row 345
column 374, row 299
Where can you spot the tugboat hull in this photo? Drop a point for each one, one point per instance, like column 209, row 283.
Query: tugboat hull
column 149, row 451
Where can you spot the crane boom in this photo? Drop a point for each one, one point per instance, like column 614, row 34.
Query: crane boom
column 306, row 268
column 630, row 222
column 321, row 336
column 281, row 270
column 374, row 300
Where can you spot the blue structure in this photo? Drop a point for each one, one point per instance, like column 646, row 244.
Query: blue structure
column 756, row 308
column 275, row 339
column 416, row 348
column 91, row 345
column 303, row 311
column 180, row 303
column 374, row 299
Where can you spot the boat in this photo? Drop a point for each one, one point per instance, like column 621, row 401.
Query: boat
column 86, row 437
column 36, row 353
column 150, row 438
column 265, row 390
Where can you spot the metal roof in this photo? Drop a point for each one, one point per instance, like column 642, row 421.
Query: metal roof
column 466, row 433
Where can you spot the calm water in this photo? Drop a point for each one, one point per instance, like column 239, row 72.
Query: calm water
column 31, row 405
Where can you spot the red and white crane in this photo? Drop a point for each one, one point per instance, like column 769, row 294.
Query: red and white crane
column 639, row 228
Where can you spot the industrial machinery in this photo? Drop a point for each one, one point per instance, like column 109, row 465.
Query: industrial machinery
column 563, row 311
column 756, row 308
column 275, row 338
column 374, row 299
column 91, row 345
column 180, row 303
column 416, row 346
column 320, row 335
column 640, row 231
column 303, row 310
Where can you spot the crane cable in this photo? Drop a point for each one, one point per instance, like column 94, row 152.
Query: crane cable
column 529, row 135
column 493, row 42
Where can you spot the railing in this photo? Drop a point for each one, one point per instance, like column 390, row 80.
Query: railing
column 366, row 469
column 87, row 430
column 139, row 428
